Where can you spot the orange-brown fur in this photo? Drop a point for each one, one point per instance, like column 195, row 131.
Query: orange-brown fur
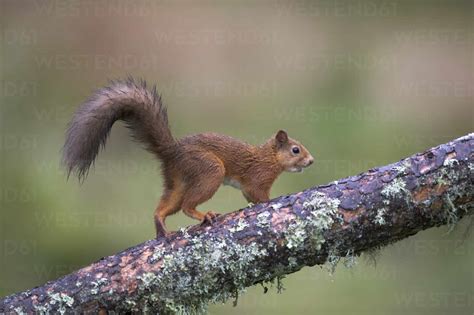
column 205, row 160
column 193, row 167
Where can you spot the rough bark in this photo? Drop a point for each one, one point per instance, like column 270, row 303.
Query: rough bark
column 205, row 264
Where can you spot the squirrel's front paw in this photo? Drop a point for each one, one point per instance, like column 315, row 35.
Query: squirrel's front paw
column 209, row 217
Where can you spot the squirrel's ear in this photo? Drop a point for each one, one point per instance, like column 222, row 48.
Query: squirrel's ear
column 281, row 137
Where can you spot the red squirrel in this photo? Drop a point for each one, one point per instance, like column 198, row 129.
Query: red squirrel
column 193, row 167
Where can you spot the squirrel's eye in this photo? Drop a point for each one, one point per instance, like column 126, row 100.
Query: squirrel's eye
column 295, row 150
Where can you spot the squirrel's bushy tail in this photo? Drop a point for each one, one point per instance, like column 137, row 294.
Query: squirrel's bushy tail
column 127, row 100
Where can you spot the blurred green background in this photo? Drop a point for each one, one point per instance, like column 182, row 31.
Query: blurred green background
column 360, row 83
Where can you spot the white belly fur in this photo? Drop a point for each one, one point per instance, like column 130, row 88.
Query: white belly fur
column 232, row 182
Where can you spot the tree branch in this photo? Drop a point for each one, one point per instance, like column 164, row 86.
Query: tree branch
column 206, row 264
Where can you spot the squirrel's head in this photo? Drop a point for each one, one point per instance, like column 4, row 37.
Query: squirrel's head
column 291, row 154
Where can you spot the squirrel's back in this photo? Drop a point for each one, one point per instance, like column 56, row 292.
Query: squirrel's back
column 239, row 158
column 130, row 101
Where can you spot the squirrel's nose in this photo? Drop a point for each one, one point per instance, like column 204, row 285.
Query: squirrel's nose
column 310, row 161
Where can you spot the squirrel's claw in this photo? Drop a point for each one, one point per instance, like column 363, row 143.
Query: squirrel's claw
column 209, row 218
column 162, row 234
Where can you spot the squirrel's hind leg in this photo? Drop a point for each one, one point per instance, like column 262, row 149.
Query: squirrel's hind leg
column 201, row 190
column 170, row 203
